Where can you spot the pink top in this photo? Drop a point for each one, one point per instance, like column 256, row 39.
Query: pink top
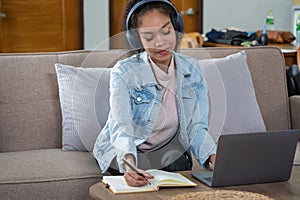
column 167, row 122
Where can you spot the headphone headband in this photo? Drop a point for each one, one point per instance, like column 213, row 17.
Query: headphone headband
column 143, row 2
column 176, row 20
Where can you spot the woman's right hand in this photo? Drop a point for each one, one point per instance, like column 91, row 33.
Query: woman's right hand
column 131, row 177
column 134, row 179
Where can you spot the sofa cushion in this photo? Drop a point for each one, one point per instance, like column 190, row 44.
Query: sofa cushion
column 233, row 105
column 75, row 189
column 84, row 100
column 47, row 174
column 46, row 165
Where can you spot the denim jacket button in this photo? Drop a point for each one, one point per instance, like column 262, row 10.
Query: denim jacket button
column 139, row 99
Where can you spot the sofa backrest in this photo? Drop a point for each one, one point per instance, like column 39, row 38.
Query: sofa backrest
column 30, row 115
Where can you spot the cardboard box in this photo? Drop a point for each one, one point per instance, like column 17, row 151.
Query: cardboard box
column 296, row 2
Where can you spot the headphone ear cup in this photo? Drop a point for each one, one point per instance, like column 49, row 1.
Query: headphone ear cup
column 133, row 39
column 179, row 23
column 178, row 27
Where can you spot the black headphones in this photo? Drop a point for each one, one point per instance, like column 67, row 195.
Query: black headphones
column 132, row 35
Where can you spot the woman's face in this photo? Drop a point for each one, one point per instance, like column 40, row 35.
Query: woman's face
column 157, row 36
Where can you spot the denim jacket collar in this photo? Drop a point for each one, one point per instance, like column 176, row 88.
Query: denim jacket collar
column 179, row 63
column 148, row 76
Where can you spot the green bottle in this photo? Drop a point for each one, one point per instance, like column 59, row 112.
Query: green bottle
column 298, row 31
column 270, row 20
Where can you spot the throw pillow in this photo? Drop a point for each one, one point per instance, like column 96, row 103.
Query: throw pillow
column 233, row 104
column 84, row 100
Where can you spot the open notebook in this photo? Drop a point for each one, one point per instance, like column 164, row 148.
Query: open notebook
column 118, row 185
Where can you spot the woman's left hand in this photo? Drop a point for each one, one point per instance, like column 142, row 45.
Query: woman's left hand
column 212, row 159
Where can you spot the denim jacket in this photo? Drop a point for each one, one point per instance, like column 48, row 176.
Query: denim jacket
column 135, row 99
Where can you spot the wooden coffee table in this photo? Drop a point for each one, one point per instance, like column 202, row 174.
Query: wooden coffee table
column 279, row 190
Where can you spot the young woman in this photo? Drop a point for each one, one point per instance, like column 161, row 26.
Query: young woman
column 158, row 98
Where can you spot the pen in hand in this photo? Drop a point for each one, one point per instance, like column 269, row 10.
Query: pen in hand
column 135, row 170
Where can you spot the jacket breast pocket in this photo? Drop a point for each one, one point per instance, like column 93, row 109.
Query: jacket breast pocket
column 141, row 103
column 190, row 91
column 189, row 98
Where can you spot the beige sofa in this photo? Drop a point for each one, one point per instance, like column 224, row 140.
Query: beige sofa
column 33, row 166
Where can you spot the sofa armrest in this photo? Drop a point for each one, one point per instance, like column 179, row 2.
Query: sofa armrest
column 295, row 111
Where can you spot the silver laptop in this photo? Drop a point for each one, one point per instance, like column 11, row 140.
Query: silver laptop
column 252, row 158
